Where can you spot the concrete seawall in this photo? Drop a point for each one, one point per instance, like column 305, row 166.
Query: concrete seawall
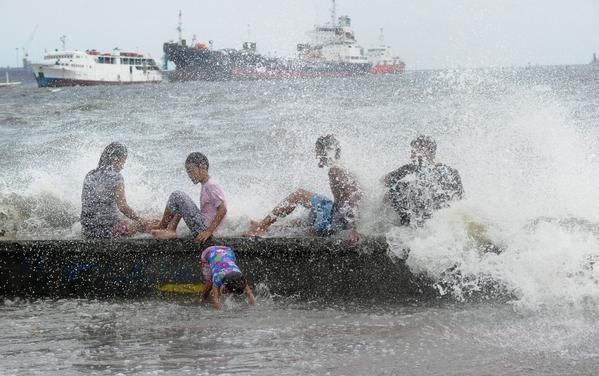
column 306, row 268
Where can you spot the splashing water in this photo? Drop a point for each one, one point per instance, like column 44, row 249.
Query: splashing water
column 529, row 169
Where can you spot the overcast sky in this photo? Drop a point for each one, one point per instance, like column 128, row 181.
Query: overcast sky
column 425, row 33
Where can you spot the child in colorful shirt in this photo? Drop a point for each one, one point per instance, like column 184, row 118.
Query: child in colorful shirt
column 222, row 275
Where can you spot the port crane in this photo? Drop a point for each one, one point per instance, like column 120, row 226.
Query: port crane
column 25, row 48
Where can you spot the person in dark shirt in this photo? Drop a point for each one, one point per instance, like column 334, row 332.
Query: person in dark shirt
column 419, row 188
column 103, row 201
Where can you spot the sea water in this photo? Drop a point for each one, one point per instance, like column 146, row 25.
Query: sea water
column 525, row 141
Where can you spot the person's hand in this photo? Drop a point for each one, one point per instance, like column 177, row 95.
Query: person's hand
column 141, row 224
column 152, row 224
column 203, row 236
column 354, row 236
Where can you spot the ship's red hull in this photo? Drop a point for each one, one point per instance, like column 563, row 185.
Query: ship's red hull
column 387, row 68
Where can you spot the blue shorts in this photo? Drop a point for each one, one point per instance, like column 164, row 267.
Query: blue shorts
column 321, row 214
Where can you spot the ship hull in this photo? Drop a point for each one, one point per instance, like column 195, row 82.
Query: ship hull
column 387, row 69
column 194, row 64
column 63, row 82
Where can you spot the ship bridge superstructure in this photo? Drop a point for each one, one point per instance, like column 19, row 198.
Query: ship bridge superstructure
column 334, row 42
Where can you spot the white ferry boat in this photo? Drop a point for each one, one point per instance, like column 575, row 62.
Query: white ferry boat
column 70, row 68
column 335, row 43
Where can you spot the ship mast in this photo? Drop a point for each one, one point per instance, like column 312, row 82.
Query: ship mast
column 333, row 14
column 381, row 37
column 180, row 27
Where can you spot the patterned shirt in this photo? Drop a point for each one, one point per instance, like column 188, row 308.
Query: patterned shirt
column 217, row 262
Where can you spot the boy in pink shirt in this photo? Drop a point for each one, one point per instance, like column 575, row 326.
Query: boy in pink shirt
column 202, row 222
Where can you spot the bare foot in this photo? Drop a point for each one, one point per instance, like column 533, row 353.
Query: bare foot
column 164, row 234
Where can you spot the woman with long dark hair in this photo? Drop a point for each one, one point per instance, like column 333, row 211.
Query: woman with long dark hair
column 103, row 201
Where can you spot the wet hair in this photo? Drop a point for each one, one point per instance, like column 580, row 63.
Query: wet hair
column 425, row 142
column 197, row 159
column 113, row 153
column 328, row 143
column 234, row 282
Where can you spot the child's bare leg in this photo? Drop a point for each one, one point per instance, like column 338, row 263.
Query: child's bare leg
column 170, row 230
column 172, row 225
column 301, row 197
column 167, row 216
column 179, row 205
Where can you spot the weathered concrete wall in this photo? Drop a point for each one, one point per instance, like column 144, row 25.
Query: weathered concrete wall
column 306, row 268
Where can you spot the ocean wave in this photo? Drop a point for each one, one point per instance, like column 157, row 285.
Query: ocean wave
column 13, row 120
column 39, row 215
column 550, row 263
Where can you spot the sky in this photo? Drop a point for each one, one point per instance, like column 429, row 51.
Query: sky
column 426, row 34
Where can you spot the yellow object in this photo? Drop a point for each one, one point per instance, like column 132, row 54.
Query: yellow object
column 476, row 231
column 182, row 288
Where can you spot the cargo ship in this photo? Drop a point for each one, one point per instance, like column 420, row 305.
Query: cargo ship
column 73, row 68
column 332, row 52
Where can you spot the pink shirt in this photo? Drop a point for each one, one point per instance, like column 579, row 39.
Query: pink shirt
column 211, row 198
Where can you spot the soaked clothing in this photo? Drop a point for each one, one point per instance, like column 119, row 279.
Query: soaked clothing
column 217, row 263
column 198, row 219
column 325, row 217
column 330, row 216
column 211, row 197
column 100, row 215
column 180, row 203
column 417, row 190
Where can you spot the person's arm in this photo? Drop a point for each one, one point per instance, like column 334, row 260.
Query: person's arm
column 207, row 272
column 221, row 211
column 216, row 297
column 206, row 291
column 250, row 294
column 396, row 175
column 353, row 195
column 354, row 235
column 459, row 188
column 121, row 201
